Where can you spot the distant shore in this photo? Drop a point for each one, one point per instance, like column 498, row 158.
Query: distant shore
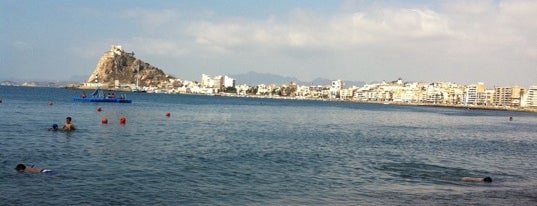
column 466, row 107
column 459, row 106
column 469, row 107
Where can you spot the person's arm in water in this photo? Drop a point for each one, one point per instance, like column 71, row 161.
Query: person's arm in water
column 477, row 179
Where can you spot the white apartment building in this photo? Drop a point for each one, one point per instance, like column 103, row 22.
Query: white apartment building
column 475, row 94
column 228, row 82
column 531, row 97
column 335, row 89
column 206, row 81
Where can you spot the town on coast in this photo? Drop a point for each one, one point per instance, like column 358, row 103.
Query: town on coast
column 118, row 70
column 437, row 94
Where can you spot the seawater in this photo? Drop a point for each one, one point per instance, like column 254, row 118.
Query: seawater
column 249, row 151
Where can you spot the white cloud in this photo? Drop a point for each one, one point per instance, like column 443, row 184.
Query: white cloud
column 156, row 46
column 153, row 21
column 457, row 41
column 335, row 33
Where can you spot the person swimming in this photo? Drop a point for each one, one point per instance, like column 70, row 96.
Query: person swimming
column 477, row 179
column 68, row 126
column 53, row 128
column 22, row 168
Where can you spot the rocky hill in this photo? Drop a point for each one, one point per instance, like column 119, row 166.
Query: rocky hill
column 117, row 64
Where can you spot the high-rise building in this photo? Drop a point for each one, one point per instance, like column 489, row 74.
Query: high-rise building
column 205, row 80
column 335, row 89
column 229, row 82
column 475, row 94
column 531, row 97
column 508, row 96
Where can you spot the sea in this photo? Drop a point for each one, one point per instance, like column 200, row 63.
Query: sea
column 215, row 150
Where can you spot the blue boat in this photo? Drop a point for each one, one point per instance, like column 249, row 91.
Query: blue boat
column 93, row 99
column 98, row 96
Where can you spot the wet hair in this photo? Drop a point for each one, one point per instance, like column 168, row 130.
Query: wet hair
column 20, row 167
column 487, row 179
column 69, row 118
column 55, row 126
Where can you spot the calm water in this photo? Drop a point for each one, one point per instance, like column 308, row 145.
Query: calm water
column 239, row 151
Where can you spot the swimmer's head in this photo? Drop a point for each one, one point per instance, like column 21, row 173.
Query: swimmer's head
column 54, row 126
column 20, row 168
column 487, row 179
column 68, row 118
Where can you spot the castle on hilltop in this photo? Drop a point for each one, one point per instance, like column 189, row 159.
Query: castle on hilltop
column 119, row 70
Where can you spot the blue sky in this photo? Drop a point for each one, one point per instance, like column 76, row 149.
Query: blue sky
column 458, row 41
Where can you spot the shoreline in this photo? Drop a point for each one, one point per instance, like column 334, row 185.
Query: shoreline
column 466, row 107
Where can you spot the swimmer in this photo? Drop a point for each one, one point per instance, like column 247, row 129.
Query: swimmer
column 477, row 179
column 53, row 128
column 22, row 168
column 510, row 118
column 68, row 126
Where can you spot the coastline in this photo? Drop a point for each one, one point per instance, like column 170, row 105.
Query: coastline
column 466, row 107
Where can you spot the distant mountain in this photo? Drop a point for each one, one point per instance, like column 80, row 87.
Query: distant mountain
column 37, row 83
column 253, row 78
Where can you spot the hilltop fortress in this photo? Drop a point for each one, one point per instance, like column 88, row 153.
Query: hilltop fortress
column 119, row 70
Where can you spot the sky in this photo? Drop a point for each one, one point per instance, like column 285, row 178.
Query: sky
column 465, row 42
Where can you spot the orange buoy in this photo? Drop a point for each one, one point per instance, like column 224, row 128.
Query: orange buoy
column 168, row 114
column 99, row 109
column 122, row 120
column 104, row 120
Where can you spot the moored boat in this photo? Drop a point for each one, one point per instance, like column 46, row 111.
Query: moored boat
column 98, row 96
column 99, row 99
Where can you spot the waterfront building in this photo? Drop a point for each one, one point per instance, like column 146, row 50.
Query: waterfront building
column 218, row 83
column 489, row 97
column 433, row 94
column 241, row 89
column 359, row 94
column 303, row 91
column 206, row 81
column 474, row 94
column 508, row 96
column 264, row 90
column 335, row 89
column 228, row 82
column 531, row 97
column 346, row 94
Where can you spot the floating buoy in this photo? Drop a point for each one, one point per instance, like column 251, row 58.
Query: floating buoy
column 50, row 103
column 104, row 120
column 99, row 109
column 168, row 114
column 122, row 120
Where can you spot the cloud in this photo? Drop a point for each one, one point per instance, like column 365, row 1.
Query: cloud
column 152, row 21
column 452, row 41
column 156, row 46
column 335, row 33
